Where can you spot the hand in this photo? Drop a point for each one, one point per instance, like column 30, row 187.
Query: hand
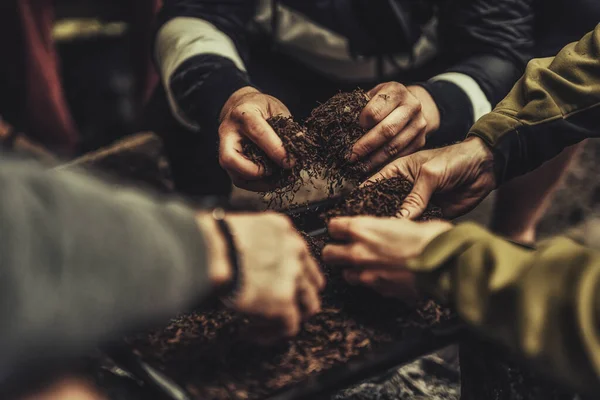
column 399, row 119
column 377, row 249
column 460, row 176
column 245, row 114
column 280, row 280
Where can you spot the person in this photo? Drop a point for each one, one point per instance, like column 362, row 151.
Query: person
column 212, row 70
column 542, row 302
column 84, row 263
column 432, row 69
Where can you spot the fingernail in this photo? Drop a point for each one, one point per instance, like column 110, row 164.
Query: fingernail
column 353, row 157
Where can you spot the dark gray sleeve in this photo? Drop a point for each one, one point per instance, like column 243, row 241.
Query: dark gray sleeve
column 82, row 262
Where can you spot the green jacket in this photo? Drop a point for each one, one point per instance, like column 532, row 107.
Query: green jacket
column 543, row 303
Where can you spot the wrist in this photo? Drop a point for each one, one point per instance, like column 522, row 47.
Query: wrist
column 234, row 99
column 429, row 108
column 483, row 155
column 480, row 149
column 219, row 266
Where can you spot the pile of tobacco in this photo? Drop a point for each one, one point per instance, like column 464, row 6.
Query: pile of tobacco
column 208, row 354
column 381, row 199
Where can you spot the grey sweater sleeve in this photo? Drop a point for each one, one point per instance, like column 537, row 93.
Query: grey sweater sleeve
column 82, row 262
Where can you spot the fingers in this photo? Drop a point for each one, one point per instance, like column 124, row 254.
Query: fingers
column 308, row 298
column 257, row 129
column 385, row 131
column 411, row 139
column 415, row 203
column 315, row 276
column 340, row 228
column 384, row 99
column 232, row 159
column 350, row 255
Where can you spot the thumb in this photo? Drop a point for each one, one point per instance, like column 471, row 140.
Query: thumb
column 415, row 203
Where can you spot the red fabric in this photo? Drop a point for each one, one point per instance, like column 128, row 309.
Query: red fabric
column 49, row 118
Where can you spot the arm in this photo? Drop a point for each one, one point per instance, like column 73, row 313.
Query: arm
column 554, row 105
column 487, row 43
column 83, row 263
column 542, row 303
column 199, row 49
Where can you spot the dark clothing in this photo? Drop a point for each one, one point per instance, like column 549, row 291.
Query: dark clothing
column 82, row 263
column 559, row 22
column 489, row 41
column 553, row 106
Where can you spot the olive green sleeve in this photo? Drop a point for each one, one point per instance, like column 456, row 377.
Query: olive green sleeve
column 554, row 105
column 541, row 303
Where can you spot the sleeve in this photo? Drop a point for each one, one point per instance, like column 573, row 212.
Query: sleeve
column 83, row 263
column 554, row 105
column 487, row 44
column 543, row 304
column 199, row 50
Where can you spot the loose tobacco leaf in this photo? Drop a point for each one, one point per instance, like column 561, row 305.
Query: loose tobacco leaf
column 335, row 126
column 381, row 199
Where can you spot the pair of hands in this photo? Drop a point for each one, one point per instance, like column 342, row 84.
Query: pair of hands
column 398, row 119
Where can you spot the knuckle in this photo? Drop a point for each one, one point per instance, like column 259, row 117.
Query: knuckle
column 428, row 171
column 357, row 254
column 416, row 106
column 226, row 160
column 395, row 85
column 389, row 131
column 364, row 148
column 238, row 113
column 373, row 114
column 390, row 150
column 415, row 199
column 422, row 124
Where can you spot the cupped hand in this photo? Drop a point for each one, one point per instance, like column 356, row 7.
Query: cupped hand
column 376, row 250
column 279, row 279
column 396, row 117
column 460, row 176
column 245, row 114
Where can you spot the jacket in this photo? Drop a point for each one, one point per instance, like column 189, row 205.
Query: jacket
column 542, row 303
column 202, row 46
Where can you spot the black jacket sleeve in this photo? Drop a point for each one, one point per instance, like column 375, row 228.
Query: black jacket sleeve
column 82, row 263
column 203, row 83
column 488, row 40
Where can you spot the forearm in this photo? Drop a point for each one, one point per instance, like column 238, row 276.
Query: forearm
column 542, row 304
column 554, row 105
column 199, row 50
column 83, row 263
